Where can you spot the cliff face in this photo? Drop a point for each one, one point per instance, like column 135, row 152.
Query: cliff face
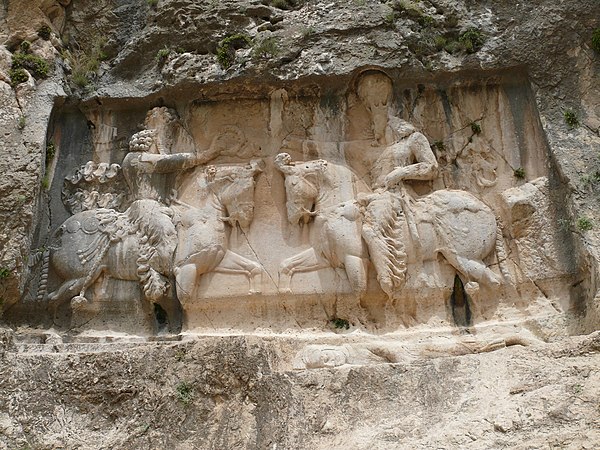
column 242, row 392
column 506, row 94
column 147, row 54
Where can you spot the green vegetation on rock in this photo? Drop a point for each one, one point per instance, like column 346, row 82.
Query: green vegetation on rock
column 185, row 392
column 571, row 118
column 50, row 152
column 266, row 48
column 228, row 46
column 37, row 66
column 472, row 40
column 25, row 46
column 17, row 76
column 585, row 224
column 44, row 32
column 163, row 54
column 596, row 40
column 85, row 64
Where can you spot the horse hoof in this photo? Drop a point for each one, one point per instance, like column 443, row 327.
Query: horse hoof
column 285, row 290
column 78, row 301
column 495, row 281
column 254, row 291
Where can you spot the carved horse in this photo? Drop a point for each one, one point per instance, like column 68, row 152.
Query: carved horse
column 396, row 229
column 325, row 193
column 221, row 197
column 136, row 245
column 140, row 244
column 400, row 230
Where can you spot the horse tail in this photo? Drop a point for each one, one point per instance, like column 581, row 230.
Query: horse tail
column 501, row 253
column 153, row 283
column 43, row 285
column 383, row 233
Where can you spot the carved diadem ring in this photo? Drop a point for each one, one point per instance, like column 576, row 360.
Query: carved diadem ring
column 73, row 226
column 90, row 225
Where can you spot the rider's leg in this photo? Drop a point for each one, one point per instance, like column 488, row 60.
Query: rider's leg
column 185, row 281
column 356, row 270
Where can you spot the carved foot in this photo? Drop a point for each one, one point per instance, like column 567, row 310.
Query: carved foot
column 78, row 301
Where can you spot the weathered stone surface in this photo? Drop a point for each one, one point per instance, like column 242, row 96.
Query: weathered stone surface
column 242, row 392
column 362, row 388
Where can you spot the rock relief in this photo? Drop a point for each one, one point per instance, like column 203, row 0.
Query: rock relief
column 98, row 242
column 355, row 205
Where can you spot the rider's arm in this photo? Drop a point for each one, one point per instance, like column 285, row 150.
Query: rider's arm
column 426, row 167
column 153, row 163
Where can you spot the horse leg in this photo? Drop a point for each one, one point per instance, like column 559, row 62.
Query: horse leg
column 66, row 290
column 185, row 281
column 356, row 270
column 80, row 299
column 306, row 261
column 472, row 269
column 71, row 287
column 237, row 264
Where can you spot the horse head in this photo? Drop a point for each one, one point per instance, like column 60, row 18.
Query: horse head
column 233, row 186
column 302, row 186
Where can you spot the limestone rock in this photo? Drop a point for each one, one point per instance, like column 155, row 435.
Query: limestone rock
column 375, row 224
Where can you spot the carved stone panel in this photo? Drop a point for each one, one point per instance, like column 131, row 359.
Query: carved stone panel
column 381, row 205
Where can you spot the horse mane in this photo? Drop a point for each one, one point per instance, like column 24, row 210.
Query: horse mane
column 383, row 231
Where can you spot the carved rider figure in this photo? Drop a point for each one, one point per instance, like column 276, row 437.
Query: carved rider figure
column 406, row 156
column 147, row 164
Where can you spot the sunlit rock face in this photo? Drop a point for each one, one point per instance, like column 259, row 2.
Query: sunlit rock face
column 427, row 160
column 299, row 224
column 384, row 204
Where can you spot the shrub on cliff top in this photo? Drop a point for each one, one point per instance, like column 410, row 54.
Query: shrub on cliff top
column 25, row 46
column 472, row 40
column 228, row 46
column 17, row 76
column 44, row 32
column 84, row 64
column 266, row 48
column 38, row 67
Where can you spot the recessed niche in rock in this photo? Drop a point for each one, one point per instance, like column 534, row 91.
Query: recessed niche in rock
column 371, row 201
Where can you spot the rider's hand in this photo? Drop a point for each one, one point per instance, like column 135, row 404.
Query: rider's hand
column 394, row 177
